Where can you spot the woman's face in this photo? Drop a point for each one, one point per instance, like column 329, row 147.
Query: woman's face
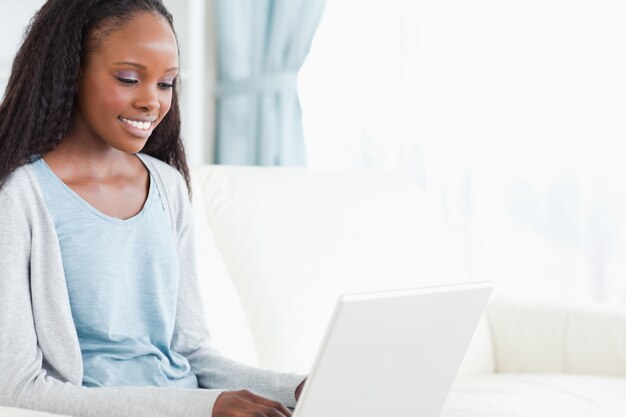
column 125, row 88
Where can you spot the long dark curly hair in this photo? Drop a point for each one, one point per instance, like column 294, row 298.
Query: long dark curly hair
column 36, row 111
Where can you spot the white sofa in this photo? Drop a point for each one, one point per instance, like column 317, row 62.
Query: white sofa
column 277, row 245
column 291, row 240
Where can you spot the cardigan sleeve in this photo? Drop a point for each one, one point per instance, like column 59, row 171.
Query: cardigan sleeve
column 24, row 380
column 191, row 336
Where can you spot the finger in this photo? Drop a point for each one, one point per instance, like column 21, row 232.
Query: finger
column 241, row 404
column 268, row 412
column 269, row 404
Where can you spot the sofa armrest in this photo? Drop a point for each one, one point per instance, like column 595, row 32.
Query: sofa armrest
column 543, row 338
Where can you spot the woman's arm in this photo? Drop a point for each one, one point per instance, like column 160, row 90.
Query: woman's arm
column 26, row 379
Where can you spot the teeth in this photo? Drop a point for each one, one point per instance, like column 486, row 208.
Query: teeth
column 139, row 125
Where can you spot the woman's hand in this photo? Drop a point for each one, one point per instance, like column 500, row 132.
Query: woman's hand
column 299, row 389
column 246, row 404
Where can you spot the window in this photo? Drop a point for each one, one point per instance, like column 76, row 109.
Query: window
column 512, row 115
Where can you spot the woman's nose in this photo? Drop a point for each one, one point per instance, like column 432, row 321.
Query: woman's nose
column 147, row 99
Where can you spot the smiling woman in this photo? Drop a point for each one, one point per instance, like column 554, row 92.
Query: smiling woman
column 124, row 92
column 98, row 289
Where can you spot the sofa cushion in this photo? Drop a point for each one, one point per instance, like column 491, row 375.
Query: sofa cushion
column 551, row 338
column 230, row 331
column 537, row 395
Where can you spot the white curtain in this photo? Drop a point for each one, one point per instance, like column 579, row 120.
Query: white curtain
column 511, row 114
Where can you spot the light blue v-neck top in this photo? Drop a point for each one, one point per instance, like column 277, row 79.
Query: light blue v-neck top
column 122, row 279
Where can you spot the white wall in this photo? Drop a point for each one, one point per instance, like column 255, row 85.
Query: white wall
column 13, row 20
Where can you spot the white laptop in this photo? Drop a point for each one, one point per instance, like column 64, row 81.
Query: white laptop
column 393, row 354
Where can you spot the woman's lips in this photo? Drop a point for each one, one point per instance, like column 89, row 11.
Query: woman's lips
column 137, row 127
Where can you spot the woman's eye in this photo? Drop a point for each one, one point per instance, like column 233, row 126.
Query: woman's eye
column 165, row 86
column 126, row 80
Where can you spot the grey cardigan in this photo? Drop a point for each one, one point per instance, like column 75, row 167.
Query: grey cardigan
column 40, row 359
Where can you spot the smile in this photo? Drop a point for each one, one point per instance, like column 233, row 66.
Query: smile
column 137, row 124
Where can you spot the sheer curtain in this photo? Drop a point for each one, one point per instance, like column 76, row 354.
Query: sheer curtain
column 511, row 114
column 261, row 46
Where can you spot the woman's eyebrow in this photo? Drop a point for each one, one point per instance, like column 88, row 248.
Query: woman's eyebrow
column 143, row 67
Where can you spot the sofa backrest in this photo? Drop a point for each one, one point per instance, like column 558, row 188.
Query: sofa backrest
column 293, row 240
column 228, row 324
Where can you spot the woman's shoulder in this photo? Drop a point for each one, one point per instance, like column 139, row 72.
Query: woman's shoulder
column 168, row 173
column 169, row 181
column 19, row 184
column 20, row 195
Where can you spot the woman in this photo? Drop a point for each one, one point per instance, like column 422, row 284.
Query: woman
column 100, row 312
